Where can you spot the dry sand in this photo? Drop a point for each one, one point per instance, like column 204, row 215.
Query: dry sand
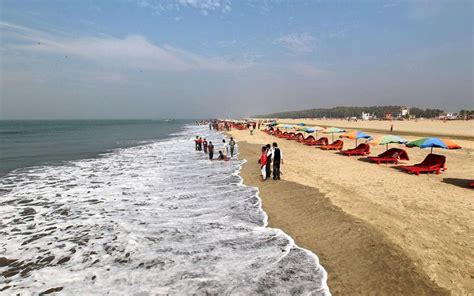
column 377, row 230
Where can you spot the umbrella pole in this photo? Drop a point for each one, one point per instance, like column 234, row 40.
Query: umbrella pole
column 356, row 142
column 431, row 150
column 386, row 147
column 332, row 137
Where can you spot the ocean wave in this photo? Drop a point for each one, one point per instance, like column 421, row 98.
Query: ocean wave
column 156, row 218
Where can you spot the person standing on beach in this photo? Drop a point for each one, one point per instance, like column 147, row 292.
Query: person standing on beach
column 225, row 149
column 196, row 145
column 277, row 161
column 204, row 145
column 200, row 144
column 251, row 129
column 232, row 146
column 268, row 169
column 263, row 163
column 210, row 147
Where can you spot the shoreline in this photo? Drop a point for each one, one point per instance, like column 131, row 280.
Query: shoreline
column 359, row 259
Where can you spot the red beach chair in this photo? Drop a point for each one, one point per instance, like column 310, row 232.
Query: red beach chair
column 471, row 184
column 319, row 142
column 296, row 137
column 336, row 145
column 392, row 155
column 433, row 163
column 290, row 136
column 282, row 135
column 304, row 140
column 362, row 149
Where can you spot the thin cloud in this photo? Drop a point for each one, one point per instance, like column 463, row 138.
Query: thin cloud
column 203, row 6
column 297, row 43
column 132, row 51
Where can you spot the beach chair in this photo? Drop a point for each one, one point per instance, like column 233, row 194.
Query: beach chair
column 290, row 136
column 282, row 135
column 362, row 149
column 433, row 163
column 392, row 155
column 471, row 184
column 296, row 137
column 319, row 142
column 336, row 145
column 304, row 140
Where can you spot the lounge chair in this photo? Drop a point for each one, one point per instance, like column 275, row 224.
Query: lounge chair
column 392, row 155
column 319, row 142
column 471, row 184
column 362, row 149
column 296, row 137
column 336, row 145
column 304, row 140
column 282, row 135
column 290, row 136
column 433, row 163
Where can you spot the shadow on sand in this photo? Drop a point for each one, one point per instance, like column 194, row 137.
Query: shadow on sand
column 458, row 182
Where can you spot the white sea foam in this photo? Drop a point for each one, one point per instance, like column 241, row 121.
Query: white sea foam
column 153, row 219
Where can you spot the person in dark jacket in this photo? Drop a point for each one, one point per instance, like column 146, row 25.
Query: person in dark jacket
column 277, row 161
column 210, row 148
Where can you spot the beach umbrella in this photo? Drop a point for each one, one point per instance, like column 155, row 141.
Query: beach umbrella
column 387, row 139
column 301, row 124
column 334, row 130
column 272, row 123
column 286, row 126
column 355, row 135
column 434, row 143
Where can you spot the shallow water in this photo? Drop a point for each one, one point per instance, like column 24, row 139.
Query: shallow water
column 157, row 218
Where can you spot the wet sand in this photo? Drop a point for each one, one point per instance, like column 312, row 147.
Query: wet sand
column 359, row 259
column 377, row 231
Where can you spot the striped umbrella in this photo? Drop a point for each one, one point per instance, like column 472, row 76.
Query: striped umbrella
column 334, row 130
column 387, row 139
column 434, row 143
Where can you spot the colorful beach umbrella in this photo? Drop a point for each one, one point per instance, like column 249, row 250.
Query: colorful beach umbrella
column 301, row 124
column 434, row 143
column 355, row 135
column 286, row 126
column 387, row 139
column 333, row 130
column 272, row 123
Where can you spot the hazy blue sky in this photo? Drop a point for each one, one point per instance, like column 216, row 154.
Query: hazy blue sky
column 192, row 58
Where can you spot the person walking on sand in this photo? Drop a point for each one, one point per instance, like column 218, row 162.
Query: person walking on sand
column 263, row 163
column 251, row 129
column 204, row 145
column 268, row 169
column 210, row 147
column 277, row 161
column 232, row 146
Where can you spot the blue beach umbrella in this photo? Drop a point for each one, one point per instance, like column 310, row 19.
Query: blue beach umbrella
column 301, row 124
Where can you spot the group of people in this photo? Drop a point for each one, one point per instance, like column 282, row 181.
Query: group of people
column 271, row 154
column 226, row 153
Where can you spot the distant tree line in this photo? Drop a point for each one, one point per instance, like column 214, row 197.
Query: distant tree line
column 344, row 112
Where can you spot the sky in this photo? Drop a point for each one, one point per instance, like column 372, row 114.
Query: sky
column 83, row 59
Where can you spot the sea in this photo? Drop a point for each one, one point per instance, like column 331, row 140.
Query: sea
column 130, row 208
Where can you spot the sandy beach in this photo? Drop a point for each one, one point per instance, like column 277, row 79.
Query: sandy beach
column 377, row 230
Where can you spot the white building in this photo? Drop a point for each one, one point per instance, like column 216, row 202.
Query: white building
column 365, row 116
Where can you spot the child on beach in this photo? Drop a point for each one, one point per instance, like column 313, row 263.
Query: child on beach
column 210, row 147
column 263, row 163
column 221, row 156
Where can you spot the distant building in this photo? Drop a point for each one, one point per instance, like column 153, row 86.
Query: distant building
column 388, row 115
column 405, row 112
column 365, row 116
